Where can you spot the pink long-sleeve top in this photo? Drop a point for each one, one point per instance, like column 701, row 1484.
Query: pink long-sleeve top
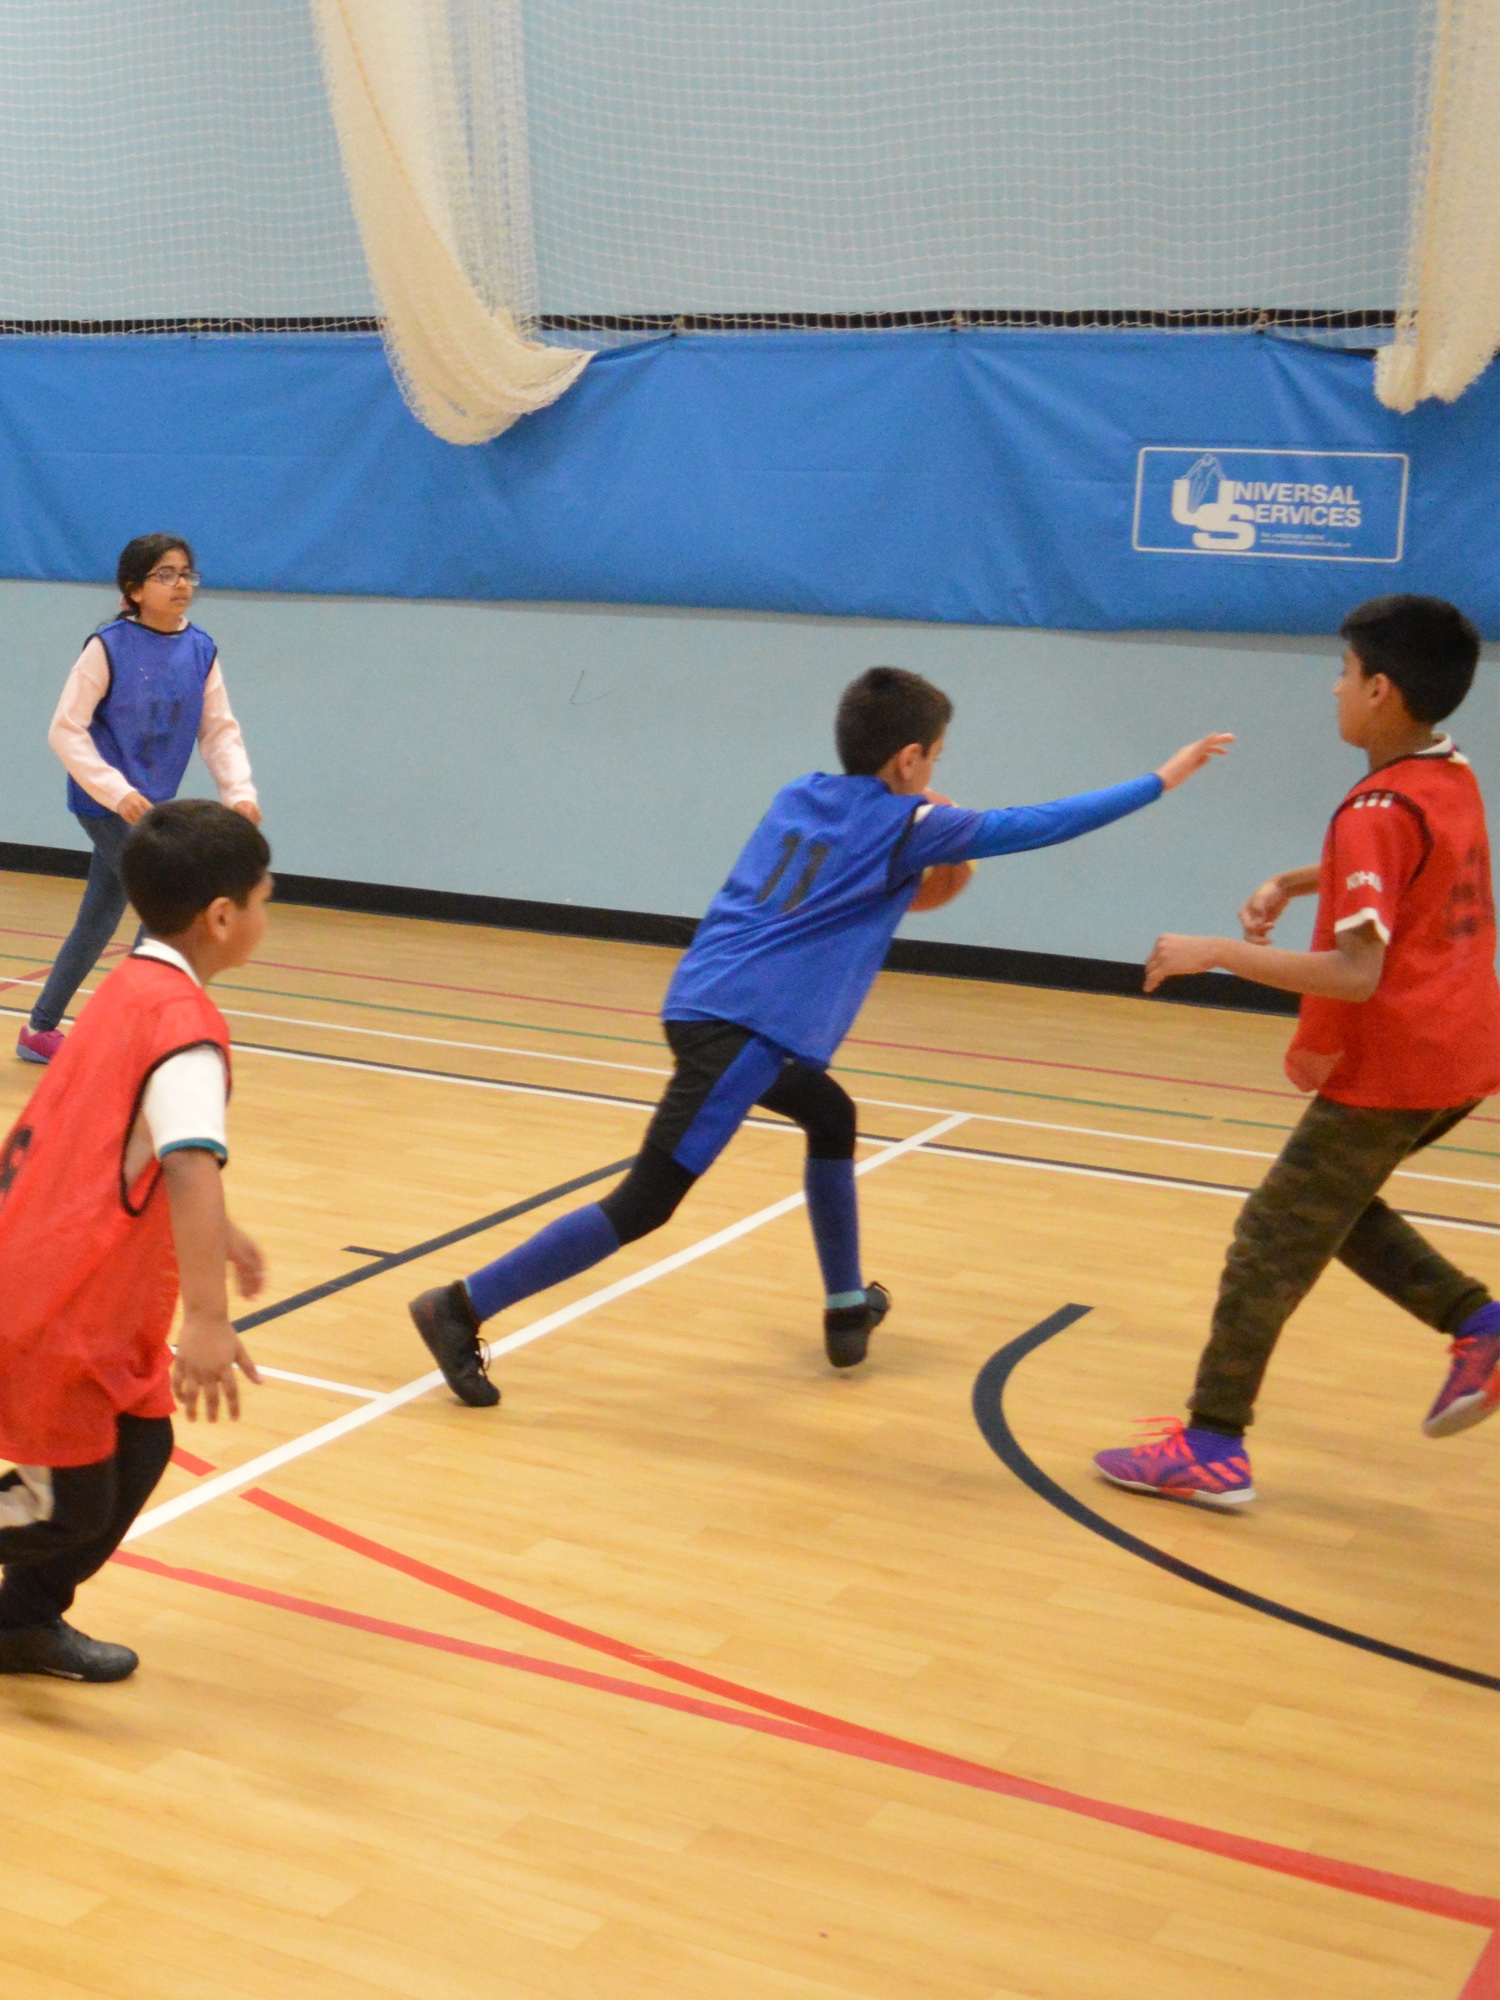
column 220, row 743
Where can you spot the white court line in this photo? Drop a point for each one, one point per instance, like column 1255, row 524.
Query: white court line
column 880, row 1103
column 380, row 1406
column 1150, row 1139
column 316, row 1382
column 1177, row 1186
column 393, row 1035
column 641, row 1069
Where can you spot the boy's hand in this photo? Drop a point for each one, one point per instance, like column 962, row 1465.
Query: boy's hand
column 1174, row 957
column 248, row 1262
column 248, row 809
column 208, row 1352
column 134, row 806
column 1192, row 757
column 1259, row 912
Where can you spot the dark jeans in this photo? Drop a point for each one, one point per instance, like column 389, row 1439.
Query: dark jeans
column 1320, row 1201
column 92, row 1506
column 100, row 911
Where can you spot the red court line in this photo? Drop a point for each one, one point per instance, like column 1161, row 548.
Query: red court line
column 855, row 1041
column 559, row 1628
column 1483, row 1983
column 1430, row 1898
column 190, row 1461
column 852, row 1041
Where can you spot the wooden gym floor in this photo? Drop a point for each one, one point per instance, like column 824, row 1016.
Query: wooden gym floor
column 695, row 1670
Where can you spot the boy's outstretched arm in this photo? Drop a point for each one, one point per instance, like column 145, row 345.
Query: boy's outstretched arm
column 1018, row 829
column 208, row 1348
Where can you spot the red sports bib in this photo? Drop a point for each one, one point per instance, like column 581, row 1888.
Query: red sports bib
column 1407, row 853
column 88, row 1274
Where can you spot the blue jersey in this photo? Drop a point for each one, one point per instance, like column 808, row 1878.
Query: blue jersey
column 792, row 942
column 149, row 719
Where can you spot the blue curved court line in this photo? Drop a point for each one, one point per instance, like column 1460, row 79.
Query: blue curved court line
column 989, row 1412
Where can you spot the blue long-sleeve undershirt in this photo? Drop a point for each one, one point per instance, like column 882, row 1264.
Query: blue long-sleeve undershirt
column 1015, row 829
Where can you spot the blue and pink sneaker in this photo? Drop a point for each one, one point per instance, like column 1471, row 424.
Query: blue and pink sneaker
column 1179, row 1462
column 1472, row 1390
column 39, row 1045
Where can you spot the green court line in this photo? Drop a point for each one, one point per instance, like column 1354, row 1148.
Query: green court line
column 431, row 1014
column 1474, row 1152
column 1039, row 1096
column 654, row 1042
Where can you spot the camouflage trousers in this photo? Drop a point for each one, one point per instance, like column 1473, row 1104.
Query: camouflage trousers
column 1321, row 1200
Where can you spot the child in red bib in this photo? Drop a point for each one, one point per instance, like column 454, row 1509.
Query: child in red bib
column 110, row 1199
column 1398, row 1035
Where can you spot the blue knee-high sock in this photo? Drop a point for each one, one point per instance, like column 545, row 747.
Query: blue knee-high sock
column 834, row 1213
column 561, row 1250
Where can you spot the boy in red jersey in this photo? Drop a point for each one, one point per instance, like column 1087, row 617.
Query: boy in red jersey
column 1398, row 1035
column 110, row 1200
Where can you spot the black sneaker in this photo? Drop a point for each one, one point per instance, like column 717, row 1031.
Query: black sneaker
column 446, row 1322
column 67, row 1655
column 847, row 1329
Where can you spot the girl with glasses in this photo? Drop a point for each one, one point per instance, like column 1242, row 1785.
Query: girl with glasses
column 145, row 691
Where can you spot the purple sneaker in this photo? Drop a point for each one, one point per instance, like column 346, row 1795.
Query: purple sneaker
column 1472, row 1390
column 39, row 1045
column 1179, row 1462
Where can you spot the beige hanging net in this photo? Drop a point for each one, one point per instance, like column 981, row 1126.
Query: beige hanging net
column 428, row 99
column 1449, row 324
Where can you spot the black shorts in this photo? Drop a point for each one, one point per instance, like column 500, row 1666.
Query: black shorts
column 722, row 1072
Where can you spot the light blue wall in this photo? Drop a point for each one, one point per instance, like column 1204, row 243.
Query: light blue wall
column 618, row 758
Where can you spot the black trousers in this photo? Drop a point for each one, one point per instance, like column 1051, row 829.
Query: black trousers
column 91, row 1507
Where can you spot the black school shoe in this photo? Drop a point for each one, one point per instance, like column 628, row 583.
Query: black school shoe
column 67, row 1655
column 446, row 1322
column 847, row 1329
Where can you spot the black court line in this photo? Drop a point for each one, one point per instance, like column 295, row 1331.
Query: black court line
column 399, row 1257
column 989, row 1412
column 1089, row 1168
column 1095, row 1172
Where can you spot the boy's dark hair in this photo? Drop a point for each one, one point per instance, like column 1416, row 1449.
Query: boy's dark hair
column 883, row 711
column 184, row 855
column 140, row 557
column 1423, row 645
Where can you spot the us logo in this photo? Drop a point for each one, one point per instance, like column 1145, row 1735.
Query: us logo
column 1300, row 506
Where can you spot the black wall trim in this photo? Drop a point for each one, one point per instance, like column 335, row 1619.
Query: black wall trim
column 1081, row 975
column 908, row 954
column 24, row 860
column 1261, row 319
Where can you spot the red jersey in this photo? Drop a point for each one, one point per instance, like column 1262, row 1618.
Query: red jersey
column 88, row 1273
column 1407, row 852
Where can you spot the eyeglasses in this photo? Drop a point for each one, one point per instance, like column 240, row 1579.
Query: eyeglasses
column 170, row 576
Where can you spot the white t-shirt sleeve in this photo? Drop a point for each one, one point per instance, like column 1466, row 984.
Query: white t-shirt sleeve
column 185, row 1103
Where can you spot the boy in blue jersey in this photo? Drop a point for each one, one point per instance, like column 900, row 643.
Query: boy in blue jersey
column 768, row 989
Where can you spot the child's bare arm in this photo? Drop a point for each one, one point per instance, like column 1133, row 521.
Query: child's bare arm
column 1351, row 971
column 1259, row 911
column 1191, row 758
column 208, row 1348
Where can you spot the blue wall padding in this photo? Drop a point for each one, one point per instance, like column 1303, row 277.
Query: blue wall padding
column 972, row 477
